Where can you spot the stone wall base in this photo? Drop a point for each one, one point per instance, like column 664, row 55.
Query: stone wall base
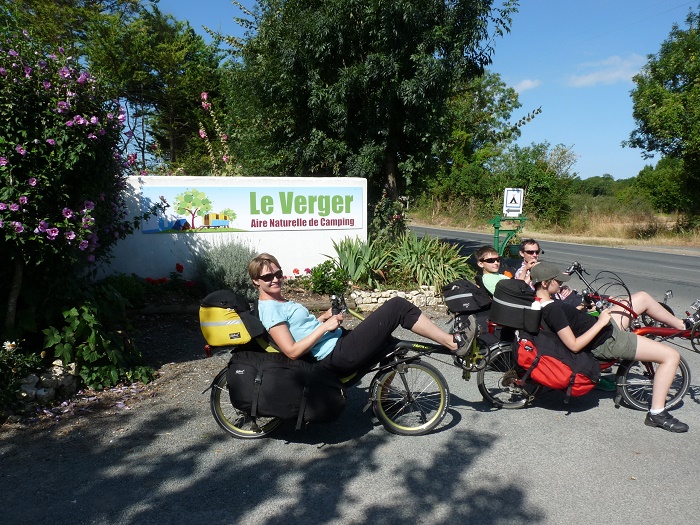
column 370, row 301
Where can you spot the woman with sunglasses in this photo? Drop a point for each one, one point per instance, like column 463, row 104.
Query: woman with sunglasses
column 298, row 333
column 605, row 337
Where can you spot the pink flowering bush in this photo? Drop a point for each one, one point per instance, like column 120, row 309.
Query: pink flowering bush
column 62, row 207
column 61, row 197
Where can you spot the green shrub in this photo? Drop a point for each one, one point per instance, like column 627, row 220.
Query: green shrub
column 388, row 221
column 328, row 278
column 226, row 266
column 130, row 287
column 93, row 336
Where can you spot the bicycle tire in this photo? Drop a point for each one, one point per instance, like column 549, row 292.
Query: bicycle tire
column 647, row 320
column 695, row 337
column 411, row 399
column 636, row 384
column 498, row 381
column 236, row 422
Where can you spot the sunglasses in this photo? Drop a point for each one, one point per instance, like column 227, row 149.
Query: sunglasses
column 531, row 252
column 491, row 260
column 268, row 277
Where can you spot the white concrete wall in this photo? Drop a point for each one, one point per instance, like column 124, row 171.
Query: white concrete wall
column 295, row 219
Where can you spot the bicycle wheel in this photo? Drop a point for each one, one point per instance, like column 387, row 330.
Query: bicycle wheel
column 411, row 399
column 234, row 421
column 695, row 337
column 647, row 320
column 636, row 379
column 499, row 381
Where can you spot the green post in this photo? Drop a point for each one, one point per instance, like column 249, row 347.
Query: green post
column 498, row 244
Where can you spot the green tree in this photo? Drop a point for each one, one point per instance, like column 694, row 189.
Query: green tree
column 667, row 106
column 545, row 173
column 663, row 185
column 194, row 202
column 360, row 87
column 73, row 24
column 478, row 120
column 160, row 67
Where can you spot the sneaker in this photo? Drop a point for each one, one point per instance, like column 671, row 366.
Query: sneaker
column 606, row 385
column 689, row 323
column 665, row 421
column 465, row 331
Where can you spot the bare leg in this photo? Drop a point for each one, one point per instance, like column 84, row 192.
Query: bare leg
column 426, row 328
column 649, row 350
column 642, row 303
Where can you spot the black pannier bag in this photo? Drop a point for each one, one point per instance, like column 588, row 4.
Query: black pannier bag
column 465, row 297
column 226, row 318
column 272, row 385
column 512, row 306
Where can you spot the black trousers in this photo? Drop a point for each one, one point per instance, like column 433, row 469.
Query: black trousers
column 364, row 344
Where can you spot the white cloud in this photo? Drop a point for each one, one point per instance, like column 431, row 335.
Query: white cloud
column 608, row 71
column 526, row 84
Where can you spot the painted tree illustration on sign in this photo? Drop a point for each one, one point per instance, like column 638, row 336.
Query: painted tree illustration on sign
column 192, row 202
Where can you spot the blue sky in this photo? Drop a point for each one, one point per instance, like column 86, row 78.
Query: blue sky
column 575, row 59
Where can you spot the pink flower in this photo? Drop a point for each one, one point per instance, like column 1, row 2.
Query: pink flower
column 14, row 206
column 46, row 84
column 51, row 233
column 32, row 181
column 202, row 133
column 295, row 271
column 20, row 149
column 205, row 95
column 23, row 200
column 67, row 213
column 307, row 271
column 18, row 227
column 3, row 161
column 224, row 137
column 51, row 142
column 70, row 235
column 83, row 245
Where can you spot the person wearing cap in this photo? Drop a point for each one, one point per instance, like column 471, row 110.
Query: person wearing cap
column 605, row 337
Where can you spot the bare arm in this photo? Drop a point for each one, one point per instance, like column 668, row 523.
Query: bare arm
column 295, row 349
column 576, row 344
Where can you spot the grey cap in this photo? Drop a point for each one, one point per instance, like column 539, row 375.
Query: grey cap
column 544, row 271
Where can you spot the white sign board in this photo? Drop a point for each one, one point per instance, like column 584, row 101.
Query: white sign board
column 513, row 202
column 296, row 219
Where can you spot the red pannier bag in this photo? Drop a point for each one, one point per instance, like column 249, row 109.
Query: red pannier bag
column 550, row 363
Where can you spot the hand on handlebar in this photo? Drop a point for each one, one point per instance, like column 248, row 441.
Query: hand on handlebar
column 604, row 316
column 333, row 322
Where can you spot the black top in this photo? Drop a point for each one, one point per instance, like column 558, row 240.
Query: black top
column 559, row 314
